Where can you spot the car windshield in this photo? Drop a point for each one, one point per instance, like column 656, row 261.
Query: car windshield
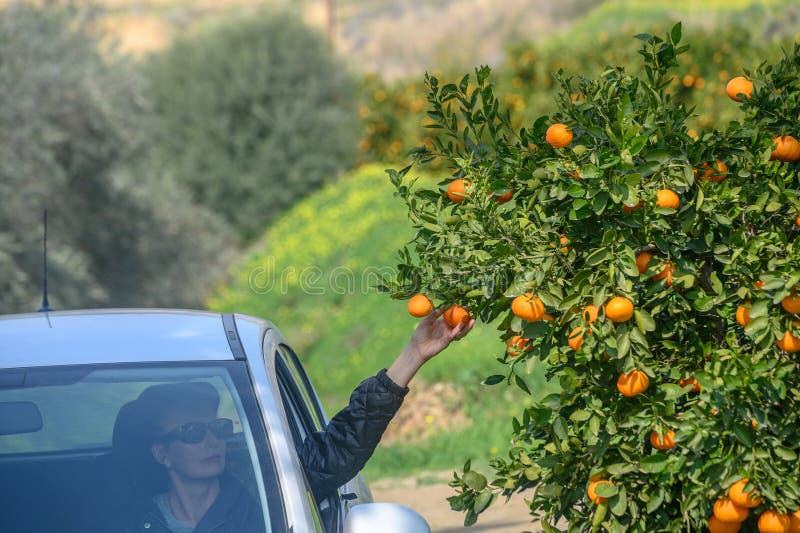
column 118, row 447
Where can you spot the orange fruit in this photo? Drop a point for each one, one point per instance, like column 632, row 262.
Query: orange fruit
column 743, row 314
column 737, row 494
column 666, row 273
column 642, row 260
column 739, row 85
column 619, row 309
column 457, row 190
column 690, row 381
column 575, row 338
column 787, row 149
column 789, row 343
column 517, row 345
column 758, row 284
column 715, row 525
column 794, row 522
column 727, row 511
column 716, row 172
column 791, row 304
column 591, row 491
column 456, row 315
column 590, row 313
column 548, row 317
column 797, row 221
column 419, row 306
column 558, row 135
column 632, row 208
column 667, row 198
column 502, row 198
column 528, row 307
column 662, row 442
column 771, row 521
column 633, row 383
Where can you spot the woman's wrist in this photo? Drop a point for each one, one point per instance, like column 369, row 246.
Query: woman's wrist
column 405, row 367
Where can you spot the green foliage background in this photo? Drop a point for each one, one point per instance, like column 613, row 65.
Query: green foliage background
column 725, row 37
column 74, row 134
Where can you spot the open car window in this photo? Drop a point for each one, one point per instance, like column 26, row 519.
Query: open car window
column 75, row 453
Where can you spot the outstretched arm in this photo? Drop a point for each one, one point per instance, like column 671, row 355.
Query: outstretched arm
column 334, row 456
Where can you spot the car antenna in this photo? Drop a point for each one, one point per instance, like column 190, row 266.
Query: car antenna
column 45, row 308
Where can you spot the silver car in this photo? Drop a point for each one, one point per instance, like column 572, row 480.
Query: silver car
column 65, row 457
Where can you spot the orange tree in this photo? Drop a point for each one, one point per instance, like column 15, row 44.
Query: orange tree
column 667, row 400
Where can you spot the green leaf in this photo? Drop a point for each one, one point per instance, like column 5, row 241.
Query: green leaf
column 475, row 480
column 671, row 391
column 597, row 257
column 493, row 380
column 743, row 433
column 560, row 428
column 470, row 518
column 675, row 33
column 787, row 454
column 619, row 503
column 483, row 501
column 623, row 344
column 606, row 490
column 654, row 464
column 521, row 384
column 644, row 320
column 600, row 513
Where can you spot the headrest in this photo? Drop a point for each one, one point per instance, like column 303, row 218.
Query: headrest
column 130, row 451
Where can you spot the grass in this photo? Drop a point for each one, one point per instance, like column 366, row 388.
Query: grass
column 311, row 274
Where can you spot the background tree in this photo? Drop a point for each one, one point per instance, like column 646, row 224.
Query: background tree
column 74, row 134
column 256, row 113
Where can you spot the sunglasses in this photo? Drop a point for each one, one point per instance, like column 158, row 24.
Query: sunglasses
column 195, row 432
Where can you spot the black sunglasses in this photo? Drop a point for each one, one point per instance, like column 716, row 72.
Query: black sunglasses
column 195, row 432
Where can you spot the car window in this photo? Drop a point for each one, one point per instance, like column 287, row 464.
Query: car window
column 77, row 444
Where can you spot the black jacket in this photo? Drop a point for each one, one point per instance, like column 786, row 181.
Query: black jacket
column 330, row 457
column 334, row 456
column 233, row 511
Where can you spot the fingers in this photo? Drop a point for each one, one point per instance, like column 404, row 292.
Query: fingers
column 436, row 313
column 461, row 330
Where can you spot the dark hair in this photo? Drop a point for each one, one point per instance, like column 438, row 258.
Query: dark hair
column 156, row 400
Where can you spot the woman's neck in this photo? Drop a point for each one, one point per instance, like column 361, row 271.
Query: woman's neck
column 190, row 499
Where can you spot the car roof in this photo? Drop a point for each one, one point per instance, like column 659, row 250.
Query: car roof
column 112, row 336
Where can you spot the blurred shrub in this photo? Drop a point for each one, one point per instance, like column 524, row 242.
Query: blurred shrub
column 257, row 112
column 73, row 133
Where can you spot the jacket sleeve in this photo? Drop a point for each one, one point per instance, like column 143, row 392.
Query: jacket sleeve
column 334, row 456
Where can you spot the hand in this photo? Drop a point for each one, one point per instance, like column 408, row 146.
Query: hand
column 431, row 337
column 434, row 335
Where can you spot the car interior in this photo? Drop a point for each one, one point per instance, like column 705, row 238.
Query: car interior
column 80, row 491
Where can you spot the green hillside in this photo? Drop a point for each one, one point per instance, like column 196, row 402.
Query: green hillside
column 310, row 274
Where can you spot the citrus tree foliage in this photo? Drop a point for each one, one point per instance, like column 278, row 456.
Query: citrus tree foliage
column 578, row 221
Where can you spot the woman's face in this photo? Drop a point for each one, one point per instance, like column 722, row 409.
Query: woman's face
column 192, row 461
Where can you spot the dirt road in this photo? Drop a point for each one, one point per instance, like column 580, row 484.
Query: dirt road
column 430, row 500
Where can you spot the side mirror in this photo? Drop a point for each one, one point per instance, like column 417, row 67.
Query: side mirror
column 384, row 517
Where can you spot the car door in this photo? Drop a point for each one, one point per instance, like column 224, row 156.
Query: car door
column 306, row 416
